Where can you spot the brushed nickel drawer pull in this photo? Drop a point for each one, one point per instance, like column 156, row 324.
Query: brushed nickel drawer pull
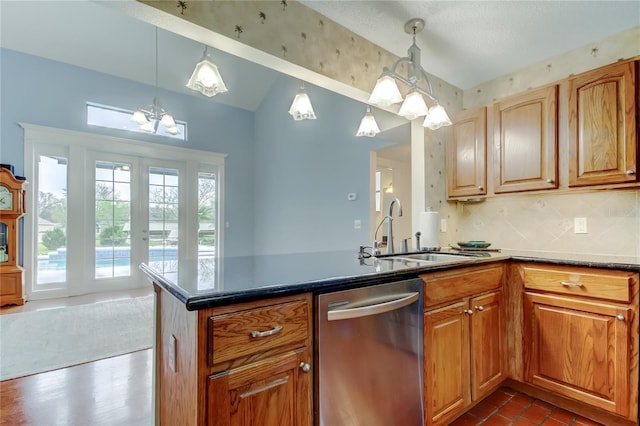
column 566, row 284
column 266, row 386
column 274, row 330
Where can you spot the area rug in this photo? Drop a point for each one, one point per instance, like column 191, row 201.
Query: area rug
column 34, row 342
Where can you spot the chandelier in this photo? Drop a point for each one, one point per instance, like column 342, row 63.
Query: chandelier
column 386, row 92
column 150, row 117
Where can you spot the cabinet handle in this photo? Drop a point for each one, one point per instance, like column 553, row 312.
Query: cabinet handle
column 620, row 317
column 630, row 172
column 274, row 330
column 305, row 367
column 481, row 188
column 467, row 311
column 549, row 180
column 480, row 308
column 267, row 386
column 566, row 284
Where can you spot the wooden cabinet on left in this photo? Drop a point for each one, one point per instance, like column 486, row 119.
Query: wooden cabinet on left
column 242, row 364
column 12, row 208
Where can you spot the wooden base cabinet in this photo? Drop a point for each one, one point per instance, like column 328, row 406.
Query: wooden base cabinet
column 581, row 336
column 274, row 392
column 239, row 365
column 462, row 340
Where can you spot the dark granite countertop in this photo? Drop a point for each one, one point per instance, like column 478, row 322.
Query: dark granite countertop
column 207, row 282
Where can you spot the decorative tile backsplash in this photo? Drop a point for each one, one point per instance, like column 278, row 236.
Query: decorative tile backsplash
column 546, row 222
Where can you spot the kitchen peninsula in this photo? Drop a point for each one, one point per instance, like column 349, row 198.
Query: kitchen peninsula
column 210, row 370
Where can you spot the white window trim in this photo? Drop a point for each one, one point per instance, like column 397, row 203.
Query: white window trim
column 36, row 135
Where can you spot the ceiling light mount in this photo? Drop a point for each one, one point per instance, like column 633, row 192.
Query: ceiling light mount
column 414, row 26
column 387, row 93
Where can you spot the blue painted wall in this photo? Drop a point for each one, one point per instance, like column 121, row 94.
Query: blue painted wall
column 286, row 181
column 305, row 169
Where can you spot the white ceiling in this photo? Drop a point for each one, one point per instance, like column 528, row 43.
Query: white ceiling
column 464, row 42
column 470, row 42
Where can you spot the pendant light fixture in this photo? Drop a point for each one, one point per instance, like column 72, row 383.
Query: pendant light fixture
column 151, row 117
column 368, row 126
column 301, row 108
column 206, row 78
column 386, row 91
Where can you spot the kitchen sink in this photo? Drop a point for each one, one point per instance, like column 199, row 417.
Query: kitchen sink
column 418, row 259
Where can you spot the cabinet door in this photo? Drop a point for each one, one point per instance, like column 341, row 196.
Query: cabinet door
column 486, row 344
column 466, row 154
column 273, row 392
column 525, row 141
column 446, row 353
column 579, row 349
column 602, row 126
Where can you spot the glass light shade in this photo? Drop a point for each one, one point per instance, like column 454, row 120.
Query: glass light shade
column 368, row 126
column 168, row 121
column 139, row 117
column 148, row 127
column 386, row 92
column 172, row 130
column 413, row 106
column 301, row 108
column 436, row 118
column 206, row 79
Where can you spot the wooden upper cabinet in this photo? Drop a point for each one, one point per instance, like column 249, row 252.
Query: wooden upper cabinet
column 466, row 156
column 525, row 141
column 603, row 148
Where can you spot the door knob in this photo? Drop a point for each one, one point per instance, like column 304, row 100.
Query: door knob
column 630, row 172
column 620, row 317
column 480, row 308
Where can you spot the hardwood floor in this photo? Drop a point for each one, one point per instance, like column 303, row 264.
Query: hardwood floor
column 113, row 391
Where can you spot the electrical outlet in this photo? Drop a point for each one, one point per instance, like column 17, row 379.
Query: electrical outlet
column 173, row 348
column 580, row 225
column 443, row 225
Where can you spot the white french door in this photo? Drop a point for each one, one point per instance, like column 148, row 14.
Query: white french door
column 99, row 213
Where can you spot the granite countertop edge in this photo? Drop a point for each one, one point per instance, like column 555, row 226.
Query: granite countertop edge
column 203, row 301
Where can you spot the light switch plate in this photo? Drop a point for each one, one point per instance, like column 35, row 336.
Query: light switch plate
column 580, row 225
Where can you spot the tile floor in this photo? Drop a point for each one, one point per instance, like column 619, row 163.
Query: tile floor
column 509, row 407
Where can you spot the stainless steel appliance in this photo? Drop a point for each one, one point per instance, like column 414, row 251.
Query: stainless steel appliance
column 370, row 367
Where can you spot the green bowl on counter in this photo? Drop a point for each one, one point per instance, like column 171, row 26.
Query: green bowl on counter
column 474, row 244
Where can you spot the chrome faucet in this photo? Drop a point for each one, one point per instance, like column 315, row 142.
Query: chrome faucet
column 390, row 217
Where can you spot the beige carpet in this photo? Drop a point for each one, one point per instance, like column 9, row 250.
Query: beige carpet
column 34, row 342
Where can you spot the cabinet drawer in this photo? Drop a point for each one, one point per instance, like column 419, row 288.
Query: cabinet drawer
column 598, row 283
column 441, row 287
column 243, row 333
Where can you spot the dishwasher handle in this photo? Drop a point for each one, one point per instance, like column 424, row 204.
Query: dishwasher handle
column 378, row 308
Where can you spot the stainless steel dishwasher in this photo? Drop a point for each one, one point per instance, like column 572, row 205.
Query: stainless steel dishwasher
column 370, row 367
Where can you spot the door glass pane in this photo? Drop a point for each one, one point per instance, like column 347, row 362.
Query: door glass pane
column 112, row 219
column 52, row 220
column 163, row 219
column 207, row 220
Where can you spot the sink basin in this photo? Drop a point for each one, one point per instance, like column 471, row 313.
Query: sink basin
column 419, row 259
column 436, row 257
